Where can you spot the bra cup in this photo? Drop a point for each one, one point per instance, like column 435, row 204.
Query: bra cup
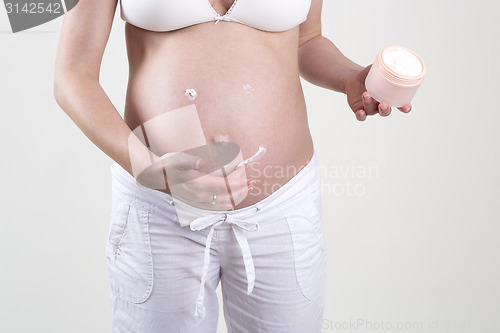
column 168, row 15
column 271, row 15
column 165, row 15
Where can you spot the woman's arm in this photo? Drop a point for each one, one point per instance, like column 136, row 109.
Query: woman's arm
column 320, row 61
column 84, row 35
column 322, row 64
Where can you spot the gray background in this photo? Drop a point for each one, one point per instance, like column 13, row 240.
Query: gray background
column 418, row 243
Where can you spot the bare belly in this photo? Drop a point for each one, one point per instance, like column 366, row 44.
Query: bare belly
column 248, row 92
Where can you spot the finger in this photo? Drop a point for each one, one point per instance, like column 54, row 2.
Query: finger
column 360, row 115
column 183, row 161
column 240, row 195
column 198, row 194
column 238, row 188
column 234, row 172
column 209, row 183
column 222, row 201
column 215, row 183
column 405, row 108
column 226, row 199
column 364, row 72
column 384, row 109
column 369, row 104
column 238, row 174
column 237, row 181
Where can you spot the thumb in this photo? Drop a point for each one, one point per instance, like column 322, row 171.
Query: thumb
column 364, row 73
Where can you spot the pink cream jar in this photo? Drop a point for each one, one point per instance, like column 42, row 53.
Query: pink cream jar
column 395, row 76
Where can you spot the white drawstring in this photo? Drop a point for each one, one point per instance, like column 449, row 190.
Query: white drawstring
column 237, row 226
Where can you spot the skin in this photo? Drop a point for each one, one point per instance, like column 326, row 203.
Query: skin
column 273, row 115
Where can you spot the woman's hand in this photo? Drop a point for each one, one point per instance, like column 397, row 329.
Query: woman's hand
column 186, row 181
column 361, row 101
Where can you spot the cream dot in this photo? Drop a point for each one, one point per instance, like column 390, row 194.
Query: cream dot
column 248, row 88
column 402, row 62
column 191, row 94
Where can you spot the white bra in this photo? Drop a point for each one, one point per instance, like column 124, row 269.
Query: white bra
column 168, row 15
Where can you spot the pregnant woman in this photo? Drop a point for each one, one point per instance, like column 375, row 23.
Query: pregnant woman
column 210, row 82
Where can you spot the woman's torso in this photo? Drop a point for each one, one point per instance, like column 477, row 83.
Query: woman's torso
column 248, row 89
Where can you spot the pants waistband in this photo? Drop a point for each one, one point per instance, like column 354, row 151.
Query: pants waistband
column 303, row 184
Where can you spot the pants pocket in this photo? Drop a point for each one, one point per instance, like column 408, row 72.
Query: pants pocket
column 308, row 250
column 128, row 253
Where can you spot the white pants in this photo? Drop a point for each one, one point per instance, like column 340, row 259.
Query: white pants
column 270, row 258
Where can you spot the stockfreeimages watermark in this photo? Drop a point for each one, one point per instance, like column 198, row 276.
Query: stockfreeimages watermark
column 26, row 14
column 365, row 324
